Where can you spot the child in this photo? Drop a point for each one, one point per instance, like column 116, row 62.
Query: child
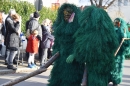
column 32, row 48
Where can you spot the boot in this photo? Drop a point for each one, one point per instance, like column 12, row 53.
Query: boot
column 11, row 67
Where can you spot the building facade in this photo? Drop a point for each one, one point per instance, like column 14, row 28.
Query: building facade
column 120, row 8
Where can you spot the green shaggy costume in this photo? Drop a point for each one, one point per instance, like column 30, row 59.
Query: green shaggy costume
column 121, row 29
column 64, row 74
column 95, row 45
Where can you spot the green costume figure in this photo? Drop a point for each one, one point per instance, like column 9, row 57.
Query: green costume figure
column 121, row 29
column 128, row 27
column 95, row 45
column 66, row 24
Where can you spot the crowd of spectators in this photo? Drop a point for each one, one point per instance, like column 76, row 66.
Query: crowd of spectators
column 38, row 36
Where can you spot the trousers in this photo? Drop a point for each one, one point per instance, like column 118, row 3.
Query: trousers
column 11, row 56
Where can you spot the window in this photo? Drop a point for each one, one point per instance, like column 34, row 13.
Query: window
column 55, row 6
column 125, row 2
column 129, row 2
column 119, row 2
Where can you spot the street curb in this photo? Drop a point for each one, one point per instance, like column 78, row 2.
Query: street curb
column 6, row 71
column 20, row 70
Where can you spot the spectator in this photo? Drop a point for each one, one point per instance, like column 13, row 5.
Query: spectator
column 2, row 31
column 12, row 36
column 27, row 25
column 46, row 42
column 34, row 25
column 48, row 24
column 32, row 48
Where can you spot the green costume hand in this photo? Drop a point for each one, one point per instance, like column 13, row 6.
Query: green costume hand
column 70, row 59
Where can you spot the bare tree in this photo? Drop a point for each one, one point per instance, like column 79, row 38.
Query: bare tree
column 102, row 3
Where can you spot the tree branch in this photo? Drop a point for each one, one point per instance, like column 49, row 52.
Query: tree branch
column 106, row 2
column 96, row 2
column 109, row 4
column 91, row 2
column 100, row 3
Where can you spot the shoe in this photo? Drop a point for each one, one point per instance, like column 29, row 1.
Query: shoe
column 11, row 67
column 33, row 65
column 30, row 66
column 6, row 63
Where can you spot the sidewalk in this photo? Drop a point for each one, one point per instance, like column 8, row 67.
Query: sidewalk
column 22, row 67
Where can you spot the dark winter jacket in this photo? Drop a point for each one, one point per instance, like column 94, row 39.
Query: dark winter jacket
column 47, row 38
column 33, row 24
column 12, row 39
column 2, row 32
column 2, row 29
column 27, row 23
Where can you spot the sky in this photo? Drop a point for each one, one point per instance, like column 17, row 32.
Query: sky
column 86, row 2
column 79, row 2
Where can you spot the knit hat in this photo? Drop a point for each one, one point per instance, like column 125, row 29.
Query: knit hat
column 36, row 14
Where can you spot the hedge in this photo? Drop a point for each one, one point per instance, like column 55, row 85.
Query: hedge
column 25, row 9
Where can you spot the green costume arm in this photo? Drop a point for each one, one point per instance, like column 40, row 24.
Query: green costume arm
column 70, row 58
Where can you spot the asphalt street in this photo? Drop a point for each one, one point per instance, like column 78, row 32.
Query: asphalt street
column 38, row 80
column 41, row 79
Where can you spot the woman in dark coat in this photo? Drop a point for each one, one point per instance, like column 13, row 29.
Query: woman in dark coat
column 12, row 39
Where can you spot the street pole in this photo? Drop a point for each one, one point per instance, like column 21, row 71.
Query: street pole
column 38, row 5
